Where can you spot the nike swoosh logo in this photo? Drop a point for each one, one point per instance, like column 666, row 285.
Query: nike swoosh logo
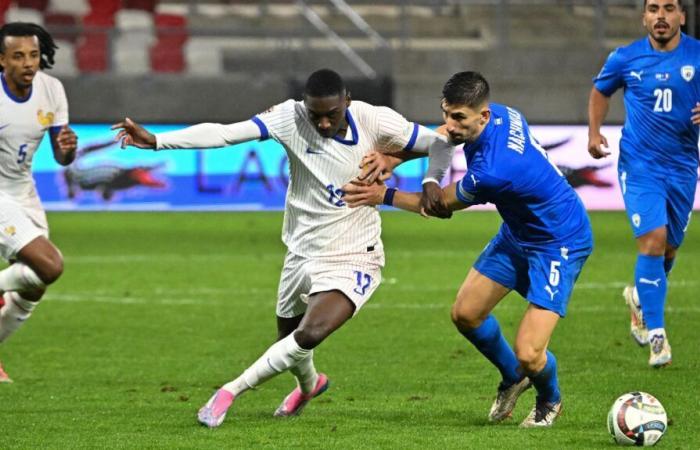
column 4, row 126
column 313, row 152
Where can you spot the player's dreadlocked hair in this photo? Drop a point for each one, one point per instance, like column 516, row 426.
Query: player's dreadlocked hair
column 324, row 83
column 47, row 47
column 466, row 88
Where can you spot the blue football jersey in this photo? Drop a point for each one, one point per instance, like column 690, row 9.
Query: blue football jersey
column 506, row 166
column 661, row 89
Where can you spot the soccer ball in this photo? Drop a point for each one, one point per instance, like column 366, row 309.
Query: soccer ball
column 637, row 418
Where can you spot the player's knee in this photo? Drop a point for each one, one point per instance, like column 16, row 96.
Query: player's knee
column 653, row 243
column 309, row 336
column 466, row 318
column 531, row 359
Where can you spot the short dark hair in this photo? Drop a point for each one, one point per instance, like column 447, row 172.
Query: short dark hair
column 324, row 83
column 47, row 47
column 680, row 5
column 466, row 88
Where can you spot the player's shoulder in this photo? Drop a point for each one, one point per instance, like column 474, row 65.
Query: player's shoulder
column 49, row 81
column 631, row 50
column 362, row 110
column 691, row 42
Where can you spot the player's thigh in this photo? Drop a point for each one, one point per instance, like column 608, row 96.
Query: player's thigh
column 645, row 201
column 356, row 279
column 680, row 199
column 17, row 229
column 293, row 287
column 476, row 298
column 553, row 273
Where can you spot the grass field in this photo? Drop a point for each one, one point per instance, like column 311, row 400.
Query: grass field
column 156, row 310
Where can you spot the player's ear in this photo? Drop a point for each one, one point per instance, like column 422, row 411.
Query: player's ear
column 348, row 100
column 485, row 115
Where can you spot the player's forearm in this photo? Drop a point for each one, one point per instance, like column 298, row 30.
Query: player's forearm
column 598, row 105
column 441, row 154
column 208, row 135
column 408, row 201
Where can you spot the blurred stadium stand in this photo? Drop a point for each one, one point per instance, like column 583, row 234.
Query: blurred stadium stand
column 224, row 60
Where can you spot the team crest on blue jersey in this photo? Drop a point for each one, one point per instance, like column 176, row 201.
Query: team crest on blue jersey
column 688, row 72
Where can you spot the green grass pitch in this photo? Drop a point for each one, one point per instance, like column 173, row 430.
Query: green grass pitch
column 156, row 310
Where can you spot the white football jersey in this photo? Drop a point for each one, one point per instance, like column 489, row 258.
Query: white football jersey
column 23, row 123
column 317, row 223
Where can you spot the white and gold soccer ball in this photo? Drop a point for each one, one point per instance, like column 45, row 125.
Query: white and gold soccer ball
column 637, row 418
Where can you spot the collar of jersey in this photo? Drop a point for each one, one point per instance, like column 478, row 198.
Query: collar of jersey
column 353, row 131
column 12, row 96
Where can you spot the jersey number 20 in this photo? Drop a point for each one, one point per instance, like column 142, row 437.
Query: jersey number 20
column 664, row 100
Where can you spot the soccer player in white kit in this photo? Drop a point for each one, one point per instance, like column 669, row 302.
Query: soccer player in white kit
column 31, row 103
column 335, row 254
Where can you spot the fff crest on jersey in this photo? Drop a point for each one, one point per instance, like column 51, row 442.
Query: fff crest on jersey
column 688, row 72
column 45, row 120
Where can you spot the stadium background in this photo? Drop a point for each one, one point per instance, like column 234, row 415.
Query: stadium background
column 128, row 344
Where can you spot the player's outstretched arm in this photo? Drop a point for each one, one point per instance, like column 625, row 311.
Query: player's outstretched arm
column 131, row 133
column 598, row 105
column 64, row 143
column 360, row 194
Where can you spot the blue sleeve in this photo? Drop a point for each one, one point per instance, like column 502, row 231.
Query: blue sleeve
column 610, row 77
column 470, row 189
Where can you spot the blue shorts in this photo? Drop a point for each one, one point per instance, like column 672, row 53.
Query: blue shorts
column 652, row 202
column 544, row 276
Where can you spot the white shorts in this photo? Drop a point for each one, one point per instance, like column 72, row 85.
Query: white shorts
column 357, row 278
column 19, row 225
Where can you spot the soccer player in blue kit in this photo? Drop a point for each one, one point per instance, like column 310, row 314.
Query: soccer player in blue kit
column 539, row 250
column 658, row 166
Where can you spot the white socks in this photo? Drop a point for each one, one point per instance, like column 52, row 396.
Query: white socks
column 15, row 312
column 19, row 277
column 305, row 373
column 279, row 357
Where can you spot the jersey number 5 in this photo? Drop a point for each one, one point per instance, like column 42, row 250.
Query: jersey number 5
column 22, row 153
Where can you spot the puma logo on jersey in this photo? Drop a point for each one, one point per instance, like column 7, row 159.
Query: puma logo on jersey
column 551, row 292
column 474, row 180
column 637, row 75
column 652, row 282
column 45, row 120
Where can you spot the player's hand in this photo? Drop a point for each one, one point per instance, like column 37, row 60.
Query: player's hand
column 131, row 133
column 377, row 166
column 67, row 140
column 357, row 193
column 432, row 202
column 595, row 146
column 696, row 114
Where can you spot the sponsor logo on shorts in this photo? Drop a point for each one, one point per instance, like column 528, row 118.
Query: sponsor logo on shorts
column 551, row 292
column 636, row 220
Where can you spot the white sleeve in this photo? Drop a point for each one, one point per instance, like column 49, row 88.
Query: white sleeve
column 278, row 122
column 395, row 132
column 61, row 115
column 440, row 151
column 208, row 135
column 440, row 160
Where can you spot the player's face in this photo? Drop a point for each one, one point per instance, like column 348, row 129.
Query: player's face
column 464, row 124
column 663, row 19
column 327, row 114
column 21, row 58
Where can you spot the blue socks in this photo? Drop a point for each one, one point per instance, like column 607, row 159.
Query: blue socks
column 650, row 279
column 489, row 340
column 546, row 382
